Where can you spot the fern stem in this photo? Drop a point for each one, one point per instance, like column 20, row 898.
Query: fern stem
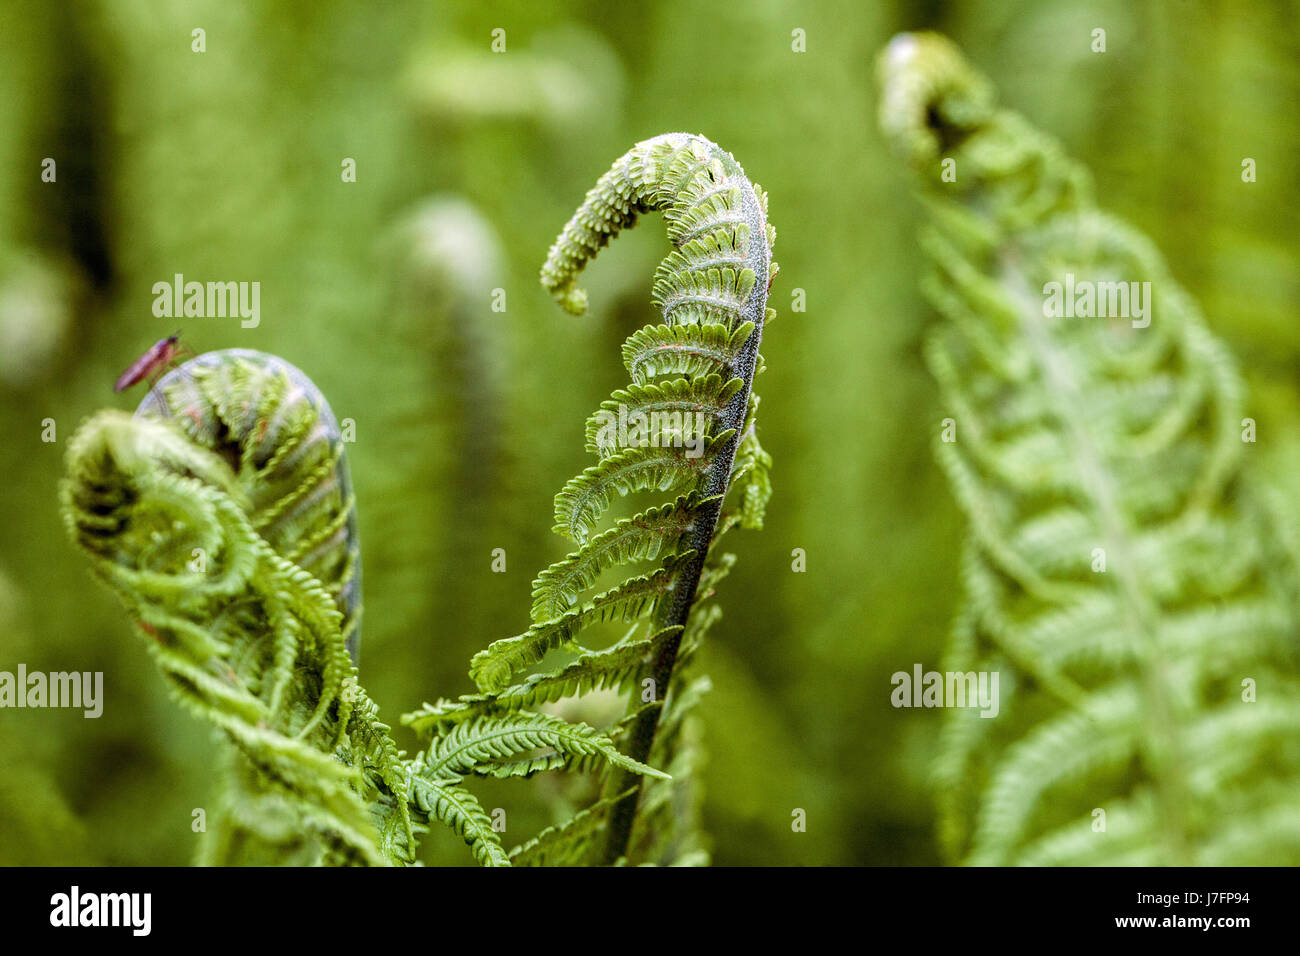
column 678, row 611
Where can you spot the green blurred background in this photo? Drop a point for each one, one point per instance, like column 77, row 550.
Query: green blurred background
column 225, row 165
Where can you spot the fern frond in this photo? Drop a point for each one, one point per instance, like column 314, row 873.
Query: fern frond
column 676, row 412
column 440, row 799
column 639, row 538
column 688, row 403
column 612, row 669
column 493, row 745
column 284, row 444
column 1120, row 577
column 699, row 364
column 195, row 512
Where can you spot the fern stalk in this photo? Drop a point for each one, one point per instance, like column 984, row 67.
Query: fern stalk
column 677, row 613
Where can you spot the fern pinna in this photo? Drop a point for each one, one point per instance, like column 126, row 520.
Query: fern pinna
column 1120, row 576
column 692, row 408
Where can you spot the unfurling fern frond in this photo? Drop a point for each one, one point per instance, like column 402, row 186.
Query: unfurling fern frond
column 222, row 516
column 685, row 425
column 1120, row 576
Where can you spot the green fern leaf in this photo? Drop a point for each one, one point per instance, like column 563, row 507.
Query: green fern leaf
column 663, row 351
column 585, row 498
column 640, row 538
column 460, row 810
column 492, row 745
column 677, row 412
column 492, row 668
column 612, row 669
column 1121, row 578
column 222, row 517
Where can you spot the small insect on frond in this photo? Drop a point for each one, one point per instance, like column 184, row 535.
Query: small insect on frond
column 156, row 360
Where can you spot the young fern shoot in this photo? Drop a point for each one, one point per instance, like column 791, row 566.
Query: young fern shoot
column 692, row 405
column 222, row 515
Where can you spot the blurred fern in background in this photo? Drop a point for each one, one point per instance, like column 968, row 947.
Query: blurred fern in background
column 1121, row 575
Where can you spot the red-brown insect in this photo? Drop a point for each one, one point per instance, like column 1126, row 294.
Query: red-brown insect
column 153, row 363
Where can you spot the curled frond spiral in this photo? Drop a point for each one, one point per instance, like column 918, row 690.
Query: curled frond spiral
column 222, row 516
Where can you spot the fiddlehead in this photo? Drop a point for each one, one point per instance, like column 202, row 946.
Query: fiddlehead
column 274, row 427
column 222, row 516
column 1119, row 576
column 686, row 424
